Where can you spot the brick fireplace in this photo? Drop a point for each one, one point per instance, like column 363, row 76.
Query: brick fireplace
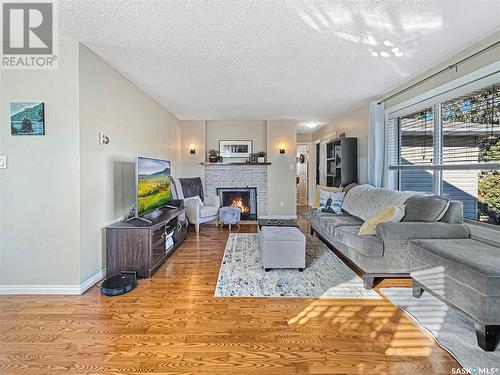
column 222, row 175
column 244, row 198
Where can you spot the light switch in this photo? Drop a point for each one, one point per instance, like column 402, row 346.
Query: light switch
column 3, row 161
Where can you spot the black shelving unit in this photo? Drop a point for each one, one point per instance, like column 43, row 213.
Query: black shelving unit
column 342, row 161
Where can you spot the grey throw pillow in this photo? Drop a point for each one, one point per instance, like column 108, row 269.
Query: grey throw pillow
column 426, row 208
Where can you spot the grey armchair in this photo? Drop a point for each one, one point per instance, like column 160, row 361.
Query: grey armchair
column 201, row 210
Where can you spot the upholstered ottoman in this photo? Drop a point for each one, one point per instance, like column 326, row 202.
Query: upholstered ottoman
column 465, row 274
column 229, row 215
column 282, row 247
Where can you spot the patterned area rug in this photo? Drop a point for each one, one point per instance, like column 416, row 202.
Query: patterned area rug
column 326, row 276
column 449, row 327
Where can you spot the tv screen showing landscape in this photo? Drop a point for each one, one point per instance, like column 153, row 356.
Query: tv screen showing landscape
column 153, row 184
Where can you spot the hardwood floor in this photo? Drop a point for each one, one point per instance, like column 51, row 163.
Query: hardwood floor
column 173, row 324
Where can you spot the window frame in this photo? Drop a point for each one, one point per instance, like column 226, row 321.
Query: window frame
column 464, row 85
column 477, row 80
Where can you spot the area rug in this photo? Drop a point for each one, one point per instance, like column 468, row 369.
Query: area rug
column 326, row 276
column 449, row 327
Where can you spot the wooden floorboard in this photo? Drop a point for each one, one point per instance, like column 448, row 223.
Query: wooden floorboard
column 172, row 324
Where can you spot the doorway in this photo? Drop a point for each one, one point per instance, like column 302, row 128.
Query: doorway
column 302, row 174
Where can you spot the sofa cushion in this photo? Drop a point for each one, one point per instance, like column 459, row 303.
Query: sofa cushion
column 370, row 246
column 426, row 208
column 207, row 211
column 330, row 222
column 364, row 201
column 473, row 263
column 454, row 214
column 393, row 213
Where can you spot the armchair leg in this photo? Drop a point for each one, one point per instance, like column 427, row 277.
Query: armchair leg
column 197, row 228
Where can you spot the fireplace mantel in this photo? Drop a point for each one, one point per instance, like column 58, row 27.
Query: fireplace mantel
column 234, row 163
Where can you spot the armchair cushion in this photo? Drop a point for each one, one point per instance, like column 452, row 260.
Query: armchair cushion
column 207, row 211
column 212, row 200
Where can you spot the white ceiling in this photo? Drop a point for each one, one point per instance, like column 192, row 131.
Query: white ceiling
column 304, row 60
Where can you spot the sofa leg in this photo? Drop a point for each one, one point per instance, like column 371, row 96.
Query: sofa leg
column 368, row 281
column 417, row 289
column 267, row 269
column 312, row 231
column 197, row 228
column 487, row 336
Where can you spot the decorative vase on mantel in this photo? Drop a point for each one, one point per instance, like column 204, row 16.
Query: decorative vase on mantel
column 261, row 157
column 213, row 156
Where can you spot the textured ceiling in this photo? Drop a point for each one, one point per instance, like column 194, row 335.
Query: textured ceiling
column 305, row 60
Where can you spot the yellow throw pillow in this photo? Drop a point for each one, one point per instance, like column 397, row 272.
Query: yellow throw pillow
column 393, row 213
column 324, row 188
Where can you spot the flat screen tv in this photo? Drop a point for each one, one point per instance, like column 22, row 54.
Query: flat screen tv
column 153, row 184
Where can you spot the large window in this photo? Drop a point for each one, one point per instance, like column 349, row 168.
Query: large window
column 416, row 139
column 453, row 148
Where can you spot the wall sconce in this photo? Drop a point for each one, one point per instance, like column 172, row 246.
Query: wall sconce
column 282, row 148
column 192, row 149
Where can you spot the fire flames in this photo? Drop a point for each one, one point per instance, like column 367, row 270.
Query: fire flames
column 239, row 203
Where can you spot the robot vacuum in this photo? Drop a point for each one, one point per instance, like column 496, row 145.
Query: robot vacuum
column 119, row 284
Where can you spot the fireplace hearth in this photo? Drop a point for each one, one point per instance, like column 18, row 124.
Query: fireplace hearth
column 244, row 198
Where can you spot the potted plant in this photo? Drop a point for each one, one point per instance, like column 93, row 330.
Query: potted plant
column 261, row 156
column 213, row 156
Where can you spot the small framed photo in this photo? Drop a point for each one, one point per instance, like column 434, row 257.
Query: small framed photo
column 27, row 118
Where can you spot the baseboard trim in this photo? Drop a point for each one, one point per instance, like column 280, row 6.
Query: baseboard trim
column 92, row 281
column 53, row 289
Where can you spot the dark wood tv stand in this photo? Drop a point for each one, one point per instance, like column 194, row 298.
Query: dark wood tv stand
column 137, row 245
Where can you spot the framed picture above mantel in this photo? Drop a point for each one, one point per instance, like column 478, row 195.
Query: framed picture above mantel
column 235, row 149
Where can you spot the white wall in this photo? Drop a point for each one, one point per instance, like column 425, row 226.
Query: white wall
column 136, row 125
column 282, row 171
column 254, row 131
column 354, row 124
column 192, row 133
column 39, row 200
column 60, row 190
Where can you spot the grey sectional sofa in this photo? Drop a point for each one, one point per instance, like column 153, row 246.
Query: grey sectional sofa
column 465, row 274
column 386, row 254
